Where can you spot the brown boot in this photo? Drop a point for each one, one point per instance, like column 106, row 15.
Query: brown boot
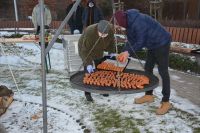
column 164, row 108
column 144, row 99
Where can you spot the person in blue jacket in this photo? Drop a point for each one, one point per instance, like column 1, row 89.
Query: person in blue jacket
column 75, row 21
column 91, row 14
column 145, row 32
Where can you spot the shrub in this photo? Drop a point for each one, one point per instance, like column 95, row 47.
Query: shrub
column 13, row 36
column 183, row 63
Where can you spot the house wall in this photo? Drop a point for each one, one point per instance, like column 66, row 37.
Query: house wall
column 175, row 9
column 172, row 9
column 25, row 8
column 193, row 9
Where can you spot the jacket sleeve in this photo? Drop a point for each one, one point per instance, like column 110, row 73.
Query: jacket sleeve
column 100, row 13
column 139, row 29
column 48, row 17
column 111, row 48
column 84, row 17
column 85, row 48
column 34, row 19
column 111, row 45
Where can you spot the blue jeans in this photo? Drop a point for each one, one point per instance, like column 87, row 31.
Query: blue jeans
column 160, row 56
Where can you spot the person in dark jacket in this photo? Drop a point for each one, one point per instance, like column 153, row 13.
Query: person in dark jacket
column 102, row 36
column 75, row 22
column 145, row 32
column 91, row 14
column 36, row 19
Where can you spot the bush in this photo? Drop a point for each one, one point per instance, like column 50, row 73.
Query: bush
column 183, row 63
column 13, row 36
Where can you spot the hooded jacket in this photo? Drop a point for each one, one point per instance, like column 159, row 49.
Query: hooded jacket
column 144, row 31
column 97, row 15
column 87, row 41
column 36, row 16
column 77, row 19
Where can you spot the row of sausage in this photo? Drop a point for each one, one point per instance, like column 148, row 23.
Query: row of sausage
column 116, row 79
column 109, row 66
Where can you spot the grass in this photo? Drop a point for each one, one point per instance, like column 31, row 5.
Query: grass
column 140, row 122
column 110, row 120
column 190, row 118
column 147, row 131
column 13, row 36
column 152, row 109
column 196, row 130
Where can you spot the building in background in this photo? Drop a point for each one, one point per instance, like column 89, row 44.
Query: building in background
column 25, row 7
column 172, row 9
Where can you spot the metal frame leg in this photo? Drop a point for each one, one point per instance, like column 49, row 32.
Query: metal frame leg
column 49, row 60
column 88, row 97
column 46, row 65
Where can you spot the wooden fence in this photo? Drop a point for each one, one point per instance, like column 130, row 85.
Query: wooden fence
column 56, row 24
column 181, row 23
column 26, row 24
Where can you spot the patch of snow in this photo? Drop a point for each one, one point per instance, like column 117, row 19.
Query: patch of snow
column 68, row 111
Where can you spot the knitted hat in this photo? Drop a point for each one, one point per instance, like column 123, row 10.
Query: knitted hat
column 103, row 26
column 90, row 1
column 121, row 18
column 76, row 31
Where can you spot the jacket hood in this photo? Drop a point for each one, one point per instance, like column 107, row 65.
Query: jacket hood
column 132, row 15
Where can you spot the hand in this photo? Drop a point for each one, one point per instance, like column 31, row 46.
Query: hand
column 122, row 57
column 90, row 69
column 112, row 55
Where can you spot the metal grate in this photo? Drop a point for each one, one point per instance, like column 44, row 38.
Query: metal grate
column 77, row 83
column 71, row 56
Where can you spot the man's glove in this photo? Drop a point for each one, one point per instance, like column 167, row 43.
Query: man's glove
column 122, row 57
column 112, row 55
column 90, row 69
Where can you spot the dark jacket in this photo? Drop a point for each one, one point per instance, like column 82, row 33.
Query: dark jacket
column 87, row 41
column 97, row 15
column 144, row 31
column 77, row 19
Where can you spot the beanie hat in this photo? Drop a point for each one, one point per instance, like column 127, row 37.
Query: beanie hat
column 121, row 18
column 103, row 26
column 91, row 3
column 76, row 31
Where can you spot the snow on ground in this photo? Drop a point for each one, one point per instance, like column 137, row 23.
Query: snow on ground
column 8, row 33
column 69, row 112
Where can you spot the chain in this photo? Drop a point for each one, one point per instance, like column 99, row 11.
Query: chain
column 10, row 70
column 3, row 53
column 132, row 50
column 91, row 49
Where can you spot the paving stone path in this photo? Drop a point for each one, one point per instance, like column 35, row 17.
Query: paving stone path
column 186, row 85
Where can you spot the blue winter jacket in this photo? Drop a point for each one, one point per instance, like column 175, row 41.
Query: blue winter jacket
column 97, row 15
column 144, row 31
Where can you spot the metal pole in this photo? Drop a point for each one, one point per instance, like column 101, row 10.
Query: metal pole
column 16, row 13
column 62, row 26
column 44, row 100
